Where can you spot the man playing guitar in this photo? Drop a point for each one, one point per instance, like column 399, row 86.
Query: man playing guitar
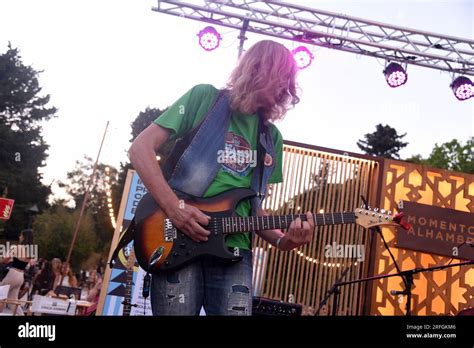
column 260, row 90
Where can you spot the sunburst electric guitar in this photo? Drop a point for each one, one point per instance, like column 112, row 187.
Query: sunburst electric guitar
column 160, row 246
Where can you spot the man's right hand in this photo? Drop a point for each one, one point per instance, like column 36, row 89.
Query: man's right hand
column 142, row 154
column 188, row 220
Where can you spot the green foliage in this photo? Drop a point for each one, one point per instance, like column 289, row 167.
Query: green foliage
column 54, row 230
column 451, row 155
column 21, row 108
column 22, row 148
column 78, row 181
column 384, row 142
column 143, row 120
column 417, row 159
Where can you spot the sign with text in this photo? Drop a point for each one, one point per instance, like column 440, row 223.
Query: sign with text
column 6, row 207
column 137, row 191
column 118, row 286
column 50, row 305
column 437, row 230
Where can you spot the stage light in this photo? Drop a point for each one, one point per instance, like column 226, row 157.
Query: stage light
column 395, row 75
column 462, row 88
column 209, row 38
column 302, row 57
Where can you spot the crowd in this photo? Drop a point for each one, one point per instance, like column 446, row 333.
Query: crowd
column 29, row 277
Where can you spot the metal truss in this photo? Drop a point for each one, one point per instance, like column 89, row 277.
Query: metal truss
column 331, row 30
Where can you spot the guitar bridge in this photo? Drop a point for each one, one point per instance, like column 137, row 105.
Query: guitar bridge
column 170, row 231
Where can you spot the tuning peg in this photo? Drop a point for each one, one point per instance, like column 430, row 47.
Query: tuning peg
column 376, row 209
column 389, row 212
column 369, row 208
column 383, row 211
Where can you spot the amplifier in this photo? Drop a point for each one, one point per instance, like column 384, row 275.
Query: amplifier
column 266, row 307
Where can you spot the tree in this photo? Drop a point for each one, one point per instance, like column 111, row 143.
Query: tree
column 142, row 121
column 77, row 183
column 451, row 155
column 53, row 234
column 22, row 148
column 383, row 142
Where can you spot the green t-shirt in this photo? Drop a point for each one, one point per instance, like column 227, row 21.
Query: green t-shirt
column 186, row 113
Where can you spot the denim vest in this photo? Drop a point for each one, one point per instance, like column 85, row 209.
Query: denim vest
column 198, row 166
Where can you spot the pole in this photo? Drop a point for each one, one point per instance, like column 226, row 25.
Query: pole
column 86, row 196
column 242, row 37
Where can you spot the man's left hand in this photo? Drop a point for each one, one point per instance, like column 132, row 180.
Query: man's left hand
column 299, row 233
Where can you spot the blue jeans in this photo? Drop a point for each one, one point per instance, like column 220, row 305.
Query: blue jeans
column 222, row 288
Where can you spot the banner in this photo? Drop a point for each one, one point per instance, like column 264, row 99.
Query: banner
column 126, row 277
column 437, row 230
column 6, row 207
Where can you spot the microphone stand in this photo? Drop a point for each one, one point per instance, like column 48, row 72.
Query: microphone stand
column 408, row 275
column 406, row 278
column 334, row 290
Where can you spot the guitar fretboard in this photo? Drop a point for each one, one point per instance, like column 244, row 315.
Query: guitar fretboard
column 260, row 223
column 128, row 292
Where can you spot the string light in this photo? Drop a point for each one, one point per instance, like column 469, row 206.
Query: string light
column 314, row 260
column 108, row 192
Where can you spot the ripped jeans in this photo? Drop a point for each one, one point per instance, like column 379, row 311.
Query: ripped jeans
column 222, row 288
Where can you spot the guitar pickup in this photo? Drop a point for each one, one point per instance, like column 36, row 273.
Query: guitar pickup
column 169, row 231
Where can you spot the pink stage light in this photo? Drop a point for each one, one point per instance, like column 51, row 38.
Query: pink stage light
column 209, row 38
column 395, row 75
column 302, row 56
column 462, row 88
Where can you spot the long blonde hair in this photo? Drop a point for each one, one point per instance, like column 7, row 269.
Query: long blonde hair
column 264, row 81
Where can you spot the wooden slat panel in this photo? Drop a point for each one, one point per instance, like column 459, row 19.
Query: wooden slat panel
column 315, row 180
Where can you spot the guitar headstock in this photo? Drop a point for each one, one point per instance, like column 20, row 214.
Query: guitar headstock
column 369, row 218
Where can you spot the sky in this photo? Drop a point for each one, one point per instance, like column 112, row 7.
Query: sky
column 108, row 60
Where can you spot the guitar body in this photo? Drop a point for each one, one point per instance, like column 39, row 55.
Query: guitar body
column 157, row 239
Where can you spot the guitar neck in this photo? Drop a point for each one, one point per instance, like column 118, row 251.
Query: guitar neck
column 128, row 293
column 259, row 223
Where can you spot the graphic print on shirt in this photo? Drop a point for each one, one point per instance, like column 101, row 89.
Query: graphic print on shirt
column 237, row 158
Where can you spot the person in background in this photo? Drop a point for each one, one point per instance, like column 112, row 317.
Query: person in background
column 15, row 276
column 68, row 277
column 92, row 279
column 44, row 282
column 94, row 294
column 56, row 264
